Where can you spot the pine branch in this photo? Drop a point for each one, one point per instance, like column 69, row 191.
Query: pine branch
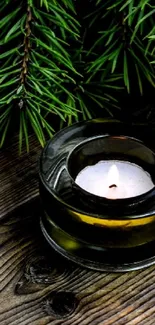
column 57, row 65
column 127, row 39
column 46, row 66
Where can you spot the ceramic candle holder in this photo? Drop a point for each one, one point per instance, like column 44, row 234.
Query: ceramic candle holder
column 94, row 231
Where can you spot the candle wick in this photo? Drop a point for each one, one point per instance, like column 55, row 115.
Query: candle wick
column 113, row 185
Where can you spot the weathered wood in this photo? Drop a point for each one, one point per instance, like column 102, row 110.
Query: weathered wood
column 38, row 287
column 18, row 175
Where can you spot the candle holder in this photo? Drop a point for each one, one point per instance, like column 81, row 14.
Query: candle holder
column 98, row 232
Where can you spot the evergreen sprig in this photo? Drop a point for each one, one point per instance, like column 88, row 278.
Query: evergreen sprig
column 35, row 65
column 60, row 62
column 124, row 44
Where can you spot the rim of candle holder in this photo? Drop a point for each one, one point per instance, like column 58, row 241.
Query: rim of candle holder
column 122, row 204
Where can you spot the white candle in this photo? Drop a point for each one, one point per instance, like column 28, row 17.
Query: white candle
column 115, row 179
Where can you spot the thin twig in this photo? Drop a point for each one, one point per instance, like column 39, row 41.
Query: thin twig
column 26, row 46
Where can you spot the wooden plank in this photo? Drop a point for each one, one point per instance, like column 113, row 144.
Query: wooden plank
column 18, row 175
column 39, row 287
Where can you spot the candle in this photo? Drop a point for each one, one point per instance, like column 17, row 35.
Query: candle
column 114, row 179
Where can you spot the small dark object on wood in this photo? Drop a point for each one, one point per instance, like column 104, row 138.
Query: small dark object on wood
column 61, row 304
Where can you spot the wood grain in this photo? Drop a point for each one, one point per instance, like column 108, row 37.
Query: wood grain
column 38, row 287
column 18, row 175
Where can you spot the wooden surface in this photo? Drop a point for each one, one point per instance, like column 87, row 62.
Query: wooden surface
column 18, row 175
column 37, row 286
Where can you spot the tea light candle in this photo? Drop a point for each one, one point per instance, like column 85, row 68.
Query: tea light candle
column 114, row 179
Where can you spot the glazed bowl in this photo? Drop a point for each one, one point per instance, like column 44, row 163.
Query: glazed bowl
column 94, row 231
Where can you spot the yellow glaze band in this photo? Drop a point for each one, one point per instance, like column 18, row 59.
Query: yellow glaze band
column 113, row 223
